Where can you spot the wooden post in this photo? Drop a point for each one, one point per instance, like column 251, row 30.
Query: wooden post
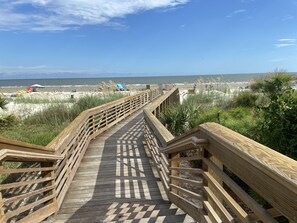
column 49, row 183
column 116, row 116
column 106, row 117
column 130, row 105
column 1, row 201
column 93, row 124
column 219, row 164
column 175, row 173
column 2, row 215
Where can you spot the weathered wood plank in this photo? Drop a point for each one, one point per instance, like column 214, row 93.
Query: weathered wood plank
column 268, row 172
column 112, row 172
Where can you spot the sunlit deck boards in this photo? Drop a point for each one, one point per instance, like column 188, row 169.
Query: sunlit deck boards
column 115, row 182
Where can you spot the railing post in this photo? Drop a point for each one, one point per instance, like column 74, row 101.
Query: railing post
column 216, row 177
column 2, row 216
column 106, row 121
column 50, row 183
column 174, row 163
column 91, row 119
column 1, row 200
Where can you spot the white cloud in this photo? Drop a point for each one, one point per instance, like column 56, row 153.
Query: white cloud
column 279, row 45
column 287, row 40
column 21, row 67
column 58, row 15
column 284, row 42
column 238, row 11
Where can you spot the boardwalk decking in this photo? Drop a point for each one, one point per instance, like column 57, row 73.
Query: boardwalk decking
column 115, row 182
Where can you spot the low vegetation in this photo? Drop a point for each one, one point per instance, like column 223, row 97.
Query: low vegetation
column 41, row 127
column 6, row 120
column 266, row 113
column 33, row 100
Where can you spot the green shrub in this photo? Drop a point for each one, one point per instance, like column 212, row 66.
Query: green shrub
column 245, row 99
column 175, row 119
column 278, row 128
column 3, row 102
column 195, row 111
column 7, row 121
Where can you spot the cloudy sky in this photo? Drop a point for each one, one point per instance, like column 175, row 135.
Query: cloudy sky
column 146, row 37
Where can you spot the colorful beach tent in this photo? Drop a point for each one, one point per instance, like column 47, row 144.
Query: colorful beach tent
column 29, row 89
column 121, row 87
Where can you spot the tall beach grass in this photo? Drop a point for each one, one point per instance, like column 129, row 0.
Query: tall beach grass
column 41, row 127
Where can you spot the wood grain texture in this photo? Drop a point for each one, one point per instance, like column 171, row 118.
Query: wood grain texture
column 114, row 170
column 269, row 173
column 65, row 153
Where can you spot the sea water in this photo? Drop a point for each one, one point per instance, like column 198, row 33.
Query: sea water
column 181, row 79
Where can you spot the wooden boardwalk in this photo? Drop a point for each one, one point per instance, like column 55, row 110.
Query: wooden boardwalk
column 116, row 182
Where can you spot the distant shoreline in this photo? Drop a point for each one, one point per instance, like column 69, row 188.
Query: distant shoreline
column 137, row 81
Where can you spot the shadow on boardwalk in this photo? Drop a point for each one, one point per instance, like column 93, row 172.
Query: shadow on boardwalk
column 115, row 182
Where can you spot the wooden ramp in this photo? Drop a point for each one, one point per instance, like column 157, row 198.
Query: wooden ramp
column 116, row 183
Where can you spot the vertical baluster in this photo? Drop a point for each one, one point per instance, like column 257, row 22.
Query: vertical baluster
column 219, row 164
column 49, row 183
column 175, row 173
column 92, row 124
column 106, row 117
column 2, row 216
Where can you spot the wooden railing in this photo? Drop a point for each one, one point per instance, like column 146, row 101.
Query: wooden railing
column 35, row 179
column 217, row 175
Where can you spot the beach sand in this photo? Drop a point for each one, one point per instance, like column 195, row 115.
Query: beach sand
column 74, row 92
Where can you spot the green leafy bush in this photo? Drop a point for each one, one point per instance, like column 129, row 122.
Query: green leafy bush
column 3, row 102
column 6, row 120
column 278, row 128
column 245, row 99
column 201, row 108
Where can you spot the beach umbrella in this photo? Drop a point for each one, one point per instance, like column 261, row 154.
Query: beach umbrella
column 37, row 86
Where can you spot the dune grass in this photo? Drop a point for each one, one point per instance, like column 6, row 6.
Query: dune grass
column 266, row 114
column 32, row 100
column 40, row 128
column 233, row 112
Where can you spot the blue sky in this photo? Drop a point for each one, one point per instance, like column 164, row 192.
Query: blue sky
column 146, row 37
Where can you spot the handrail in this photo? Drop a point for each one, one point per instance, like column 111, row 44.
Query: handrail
column 12, row 155
column 11, row 144
column 39, row 184
column 152, row 112
column 156, row 135
column 221, row 157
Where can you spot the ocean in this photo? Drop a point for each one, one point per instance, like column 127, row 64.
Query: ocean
column 129, row 80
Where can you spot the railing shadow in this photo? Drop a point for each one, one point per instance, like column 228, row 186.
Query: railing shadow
column 125, row 184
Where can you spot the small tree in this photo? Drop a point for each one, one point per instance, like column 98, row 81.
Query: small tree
column 279, row 125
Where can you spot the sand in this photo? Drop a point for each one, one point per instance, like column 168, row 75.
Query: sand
column 67, row 92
